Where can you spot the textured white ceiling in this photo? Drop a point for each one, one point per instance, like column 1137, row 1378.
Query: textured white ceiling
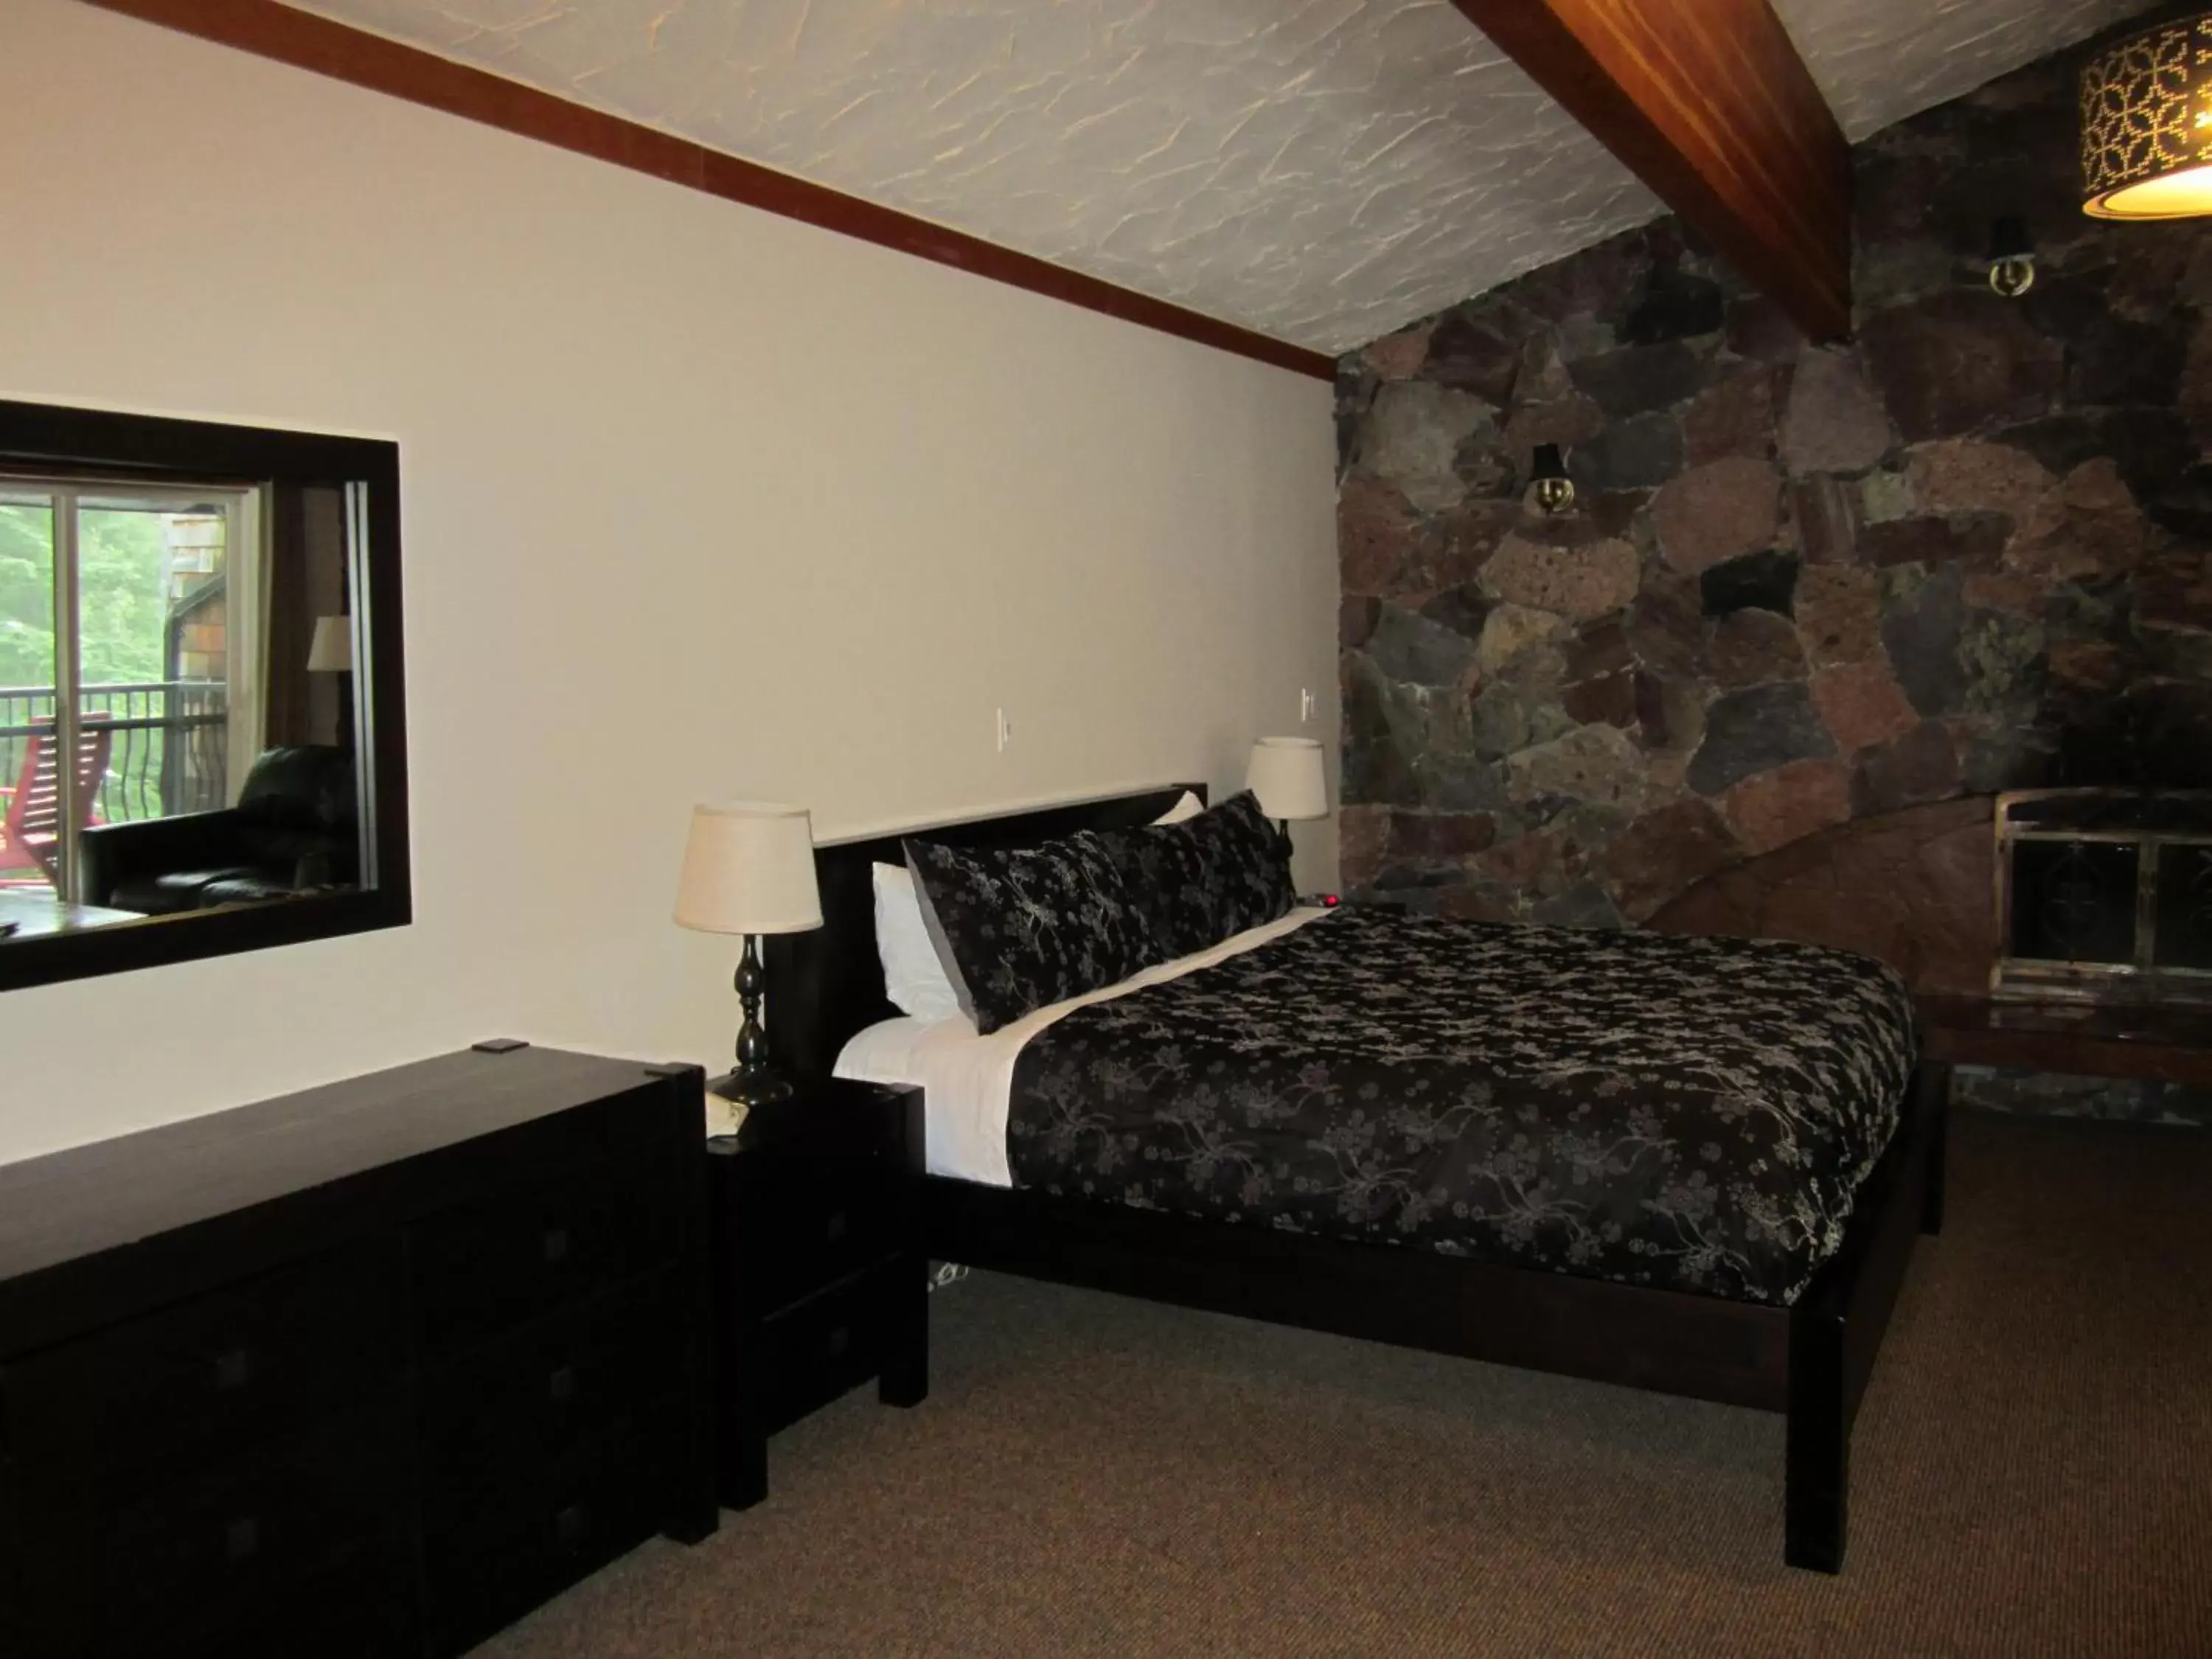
column 1323, row 170
column 1879, row 61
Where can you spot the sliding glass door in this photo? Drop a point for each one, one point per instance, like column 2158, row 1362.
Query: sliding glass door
column 129, row 645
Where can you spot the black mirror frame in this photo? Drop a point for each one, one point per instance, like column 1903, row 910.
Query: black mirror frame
column 63, row 439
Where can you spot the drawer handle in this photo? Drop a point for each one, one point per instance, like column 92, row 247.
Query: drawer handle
column 560, row 1387
column 557, row 1245
column 241, row 1540
column 840, row 1341
column 233, row 1370
column 836, row 1225
column 569, row 1527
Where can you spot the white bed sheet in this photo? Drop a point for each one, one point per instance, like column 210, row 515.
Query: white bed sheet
column 968, row 1080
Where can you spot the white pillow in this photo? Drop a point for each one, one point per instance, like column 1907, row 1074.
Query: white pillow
column 914, row 978
column 1189, row 807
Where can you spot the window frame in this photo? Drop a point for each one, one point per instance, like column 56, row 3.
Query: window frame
column 91, row 448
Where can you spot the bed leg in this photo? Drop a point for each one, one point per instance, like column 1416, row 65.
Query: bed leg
column 1933, row 1105
column 1817, row 1471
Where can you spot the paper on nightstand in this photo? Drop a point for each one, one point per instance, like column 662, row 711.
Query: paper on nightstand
column 724, row 1117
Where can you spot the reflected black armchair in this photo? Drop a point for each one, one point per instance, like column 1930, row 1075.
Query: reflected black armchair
column 295, row 829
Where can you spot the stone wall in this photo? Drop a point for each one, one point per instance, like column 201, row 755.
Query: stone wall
column 1804, row 587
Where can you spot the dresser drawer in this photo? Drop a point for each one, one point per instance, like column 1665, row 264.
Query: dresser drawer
column 195, row 1382
column 487, row 1562
column 525, row 1250
column 536, row 1392
column 815, row 1223
column 210, row 1563
column 829, row 1343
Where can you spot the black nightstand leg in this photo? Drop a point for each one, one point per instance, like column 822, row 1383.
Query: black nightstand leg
column 905, row 1379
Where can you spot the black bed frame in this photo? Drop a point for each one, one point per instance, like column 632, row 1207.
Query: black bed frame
column 1811, row 1361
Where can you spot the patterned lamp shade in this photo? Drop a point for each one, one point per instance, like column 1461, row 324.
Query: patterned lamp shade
column 2146, row 124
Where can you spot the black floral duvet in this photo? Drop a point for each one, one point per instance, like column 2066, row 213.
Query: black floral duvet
column 1695, row 1114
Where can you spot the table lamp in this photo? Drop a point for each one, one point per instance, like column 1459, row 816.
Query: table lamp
column 1287, row 776
column 748, row 869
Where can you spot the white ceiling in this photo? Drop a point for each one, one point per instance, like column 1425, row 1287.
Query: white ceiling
column 1323, row 170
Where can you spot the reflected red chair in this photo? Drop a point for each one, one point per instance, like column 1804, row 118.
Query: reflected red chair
column 30, row 833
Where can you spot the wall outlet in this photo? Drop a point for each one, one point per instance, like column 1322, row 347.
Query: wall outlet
column 1005, row 730
column 1307, row 702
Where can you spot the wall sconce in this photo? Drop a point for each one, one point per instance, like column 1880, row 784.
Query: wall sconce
column 1549, row 483
column 2012, row 258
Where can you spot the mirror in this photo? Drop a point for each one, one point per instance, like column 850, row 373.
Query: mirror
column 200, row 706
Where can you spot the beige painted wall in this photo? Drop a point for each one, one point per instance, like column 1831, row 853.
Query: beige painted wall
column 698, row 502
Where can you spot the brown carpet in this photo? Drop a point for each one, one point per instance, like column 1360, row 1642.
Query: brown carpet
column 2032, row 1474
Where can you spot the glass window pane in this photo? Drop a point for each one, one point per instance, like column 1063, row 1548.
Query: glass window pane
column 154, row 646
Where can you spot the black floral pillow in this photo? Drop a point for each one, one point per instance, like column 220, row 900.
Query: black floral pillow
column 1208, row 877
column 1018, row 929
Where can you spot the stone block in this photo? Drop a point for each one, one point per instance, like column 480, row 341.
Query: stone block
column 1609, row 700
column 2089, row 525
column 1862, row 704
column 1412, row 438
column 1975, row 538
column 1963, row 475
column 1755, row 648
column 1398, row 357
column 1825, row 513
column 1409, row 647
column 1472, row 354
column 1958, row 360
column 1755, row 730
column 1765, row 580
column 1838, row 611
column 1440, row 835
column 1641, row 452
column 1923, row 617
column 1834, row 421
column 1675, row 304
column 1717, row 512
column 1356, row 615
column 1923, row 765
column 1591, row 764
column 1734, row 417
column 1583, row 583
column 1640, row 379
column 1787, row 804
column 1362, row 835
column 1511, row 631
column 1664, row 852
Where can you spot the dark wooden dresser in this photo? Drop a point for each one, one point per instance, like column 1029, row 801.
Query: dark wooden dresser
column 367, row 1371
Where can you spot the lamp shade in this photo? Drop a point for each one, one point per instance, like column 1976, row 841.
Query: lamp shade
column 1287, row 776
column 2146, row 124
column 331, row 650
column 748, row 868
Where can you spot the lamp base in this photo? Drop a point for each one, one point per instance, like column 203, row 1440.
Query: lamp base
column 756, row 1088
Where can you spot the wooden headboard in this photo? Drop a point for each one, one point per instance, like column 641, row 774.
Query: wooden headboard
column 826, row 986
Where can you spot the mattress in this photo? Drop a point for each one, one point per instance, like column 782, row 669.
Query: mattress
column 1651, row 1108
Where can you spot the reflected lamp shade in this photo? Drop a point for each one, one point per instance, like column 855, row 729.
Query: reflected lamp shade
column 1287, row 775
column 2146, row 124
column 748, row 868
column 331, row 650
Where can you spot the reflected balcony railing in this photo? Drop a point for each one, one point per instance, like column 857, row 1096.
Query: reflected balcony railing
column 168, row 753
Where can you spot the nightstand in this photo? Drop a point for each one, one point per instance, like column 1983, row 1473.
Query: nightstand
column 820, row 1282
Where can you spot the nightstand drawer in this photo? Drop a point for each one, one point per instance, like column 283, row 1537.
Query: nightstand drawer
column 545, row 1244
column 486, row 1562
column 829, row 1343
column 202, row 1379
column 814, row 1224
column 535, row 1394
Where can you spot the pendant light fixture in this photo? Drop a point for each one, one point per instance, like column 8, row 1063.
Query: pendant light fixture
column 2146, row 124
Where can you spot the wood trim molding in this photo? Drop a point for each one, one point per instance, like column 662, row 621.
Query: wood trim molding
column 269, row 29
column 1707, row 102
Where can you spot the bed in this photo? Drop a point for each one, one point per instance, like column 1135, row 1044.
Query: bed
column 1586, row 1153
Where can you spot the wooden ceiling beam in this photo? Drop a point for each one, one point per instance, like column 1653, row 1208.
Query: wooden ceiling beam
column 1708, row 103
